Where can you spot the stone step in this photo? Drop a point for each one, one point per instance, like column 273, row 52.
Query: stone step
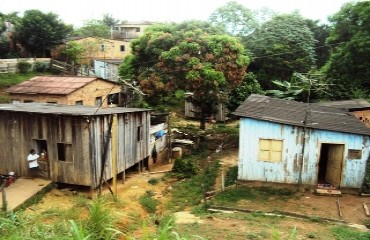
column 329, row 192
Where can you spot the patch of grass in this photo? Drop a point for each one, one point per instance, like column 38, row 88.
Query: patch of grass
column 232, row 196
column 347, row 233
column 10, row 79
column 315, row 219
column 148, row 202
column 231, row 176
column 153, row 181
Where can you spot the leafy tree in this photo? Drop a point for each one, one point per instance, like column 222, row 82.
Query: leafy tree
column 192, row 56
column 73, row 52
column 235, row 19
column 93, row 28
column 280, row 47
column 321, row 33
column 238, row 95
column 349, row 67
column 39, row 31
column 109, row 20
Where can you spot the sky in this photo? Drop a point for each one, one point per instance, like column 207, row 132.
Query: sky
column 77, row 11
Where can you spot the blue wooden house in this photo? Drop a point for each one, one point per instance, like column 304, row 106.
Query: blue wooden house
column 291, row 142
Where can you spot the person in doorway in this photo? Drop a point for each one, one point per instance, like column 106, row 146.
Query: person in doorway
column 32, row 162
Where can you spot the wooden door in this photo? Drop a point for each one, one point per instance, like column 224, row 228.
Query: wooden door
column 334, row 164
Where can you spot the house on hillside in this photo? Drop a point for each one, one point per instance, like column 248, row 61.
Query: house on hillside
column 298, row 143
column 130, row 30
column 107, row 68
column 358, row 107
column 77, row 140
column 90, row 91
column 97, row 48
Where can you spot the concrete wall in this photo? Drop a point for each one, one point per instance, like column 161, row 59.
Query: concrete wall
column 10, row 65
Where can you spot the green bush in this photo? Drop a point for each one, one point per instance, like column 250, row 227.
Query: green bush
column 40, row 67
column 153, row 181
column 24, row 66
column 184, row 167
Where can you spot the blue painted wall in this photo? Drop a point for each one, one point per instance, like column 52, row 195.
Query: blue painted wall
column 287, row 171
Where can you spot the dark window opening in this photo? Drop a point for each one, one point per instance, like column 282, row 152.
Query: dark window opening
column 41, row 146
column 79, row 102
column 139, row 133
column 113, row 98
column 137, row 29
column 65, row 152
column 122, row 48
column 27, row 101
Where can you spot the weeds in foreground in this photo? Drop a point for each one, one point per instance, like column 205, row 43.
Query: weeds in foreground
column 346, row 233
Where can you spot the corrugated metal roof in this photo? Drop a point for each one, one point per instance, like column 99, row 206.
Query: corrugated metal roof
column 355, row 104
column 294, row 113
column 59, row 109
column 51, row 85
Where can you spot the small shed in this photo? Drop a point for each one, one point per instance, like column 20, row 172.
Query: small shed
column 192, row 111
column 90, row 91
column 291, row 142
column 107, row 68
column 75, row 138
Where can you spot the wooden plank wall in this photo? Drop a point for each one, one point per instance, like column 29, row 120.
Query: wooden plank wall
column 22, row 129
column 130, row 151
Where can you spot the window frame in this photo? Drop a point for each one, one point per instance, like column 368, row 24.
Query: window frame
column 262, row 150
column 64, row 154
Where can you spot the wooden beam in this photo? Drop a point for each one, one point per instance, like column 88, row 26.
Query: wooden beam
column 114, row 153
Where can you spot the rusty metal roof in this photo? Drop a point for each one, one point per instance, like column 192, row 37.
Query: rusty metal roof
column 50, row 85
column 294, row 113
column 350, row 105
column 60, row 109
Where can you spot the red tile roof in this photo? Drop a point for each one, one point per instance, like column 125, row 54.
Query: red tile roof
column 51, row 85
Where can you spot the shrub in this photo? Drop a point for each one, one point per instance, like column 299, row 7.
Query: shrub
column 23, row 66
column 185, row 167
column 40, row 67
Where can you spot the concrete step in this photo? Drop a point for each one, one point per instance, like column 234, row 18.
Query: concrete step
column 328, row 192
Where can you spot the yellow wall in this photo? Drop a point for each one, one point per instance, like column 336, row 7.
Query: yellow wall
column 87, row 94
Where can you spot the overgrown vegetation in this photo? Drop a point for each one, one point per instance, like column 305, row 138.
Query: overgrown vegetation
column 346, row 233
column 231, row 196
column 148, row 202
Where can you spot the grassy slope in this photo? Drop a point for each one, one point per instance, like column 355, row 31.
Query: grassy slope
column 9, row 79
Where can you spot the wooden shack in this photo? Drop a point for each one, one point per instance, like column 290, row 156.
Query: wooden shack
column 298, row 143
column 77, row 139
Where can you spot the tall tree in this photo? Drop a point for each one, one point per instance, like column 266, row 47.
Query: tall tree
column 93, row 28
column 236, row 19
column 39, row 32
column 192, row 56
column 321, row 33
column 280, row 47
column 109, row 20
column 349, row 66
